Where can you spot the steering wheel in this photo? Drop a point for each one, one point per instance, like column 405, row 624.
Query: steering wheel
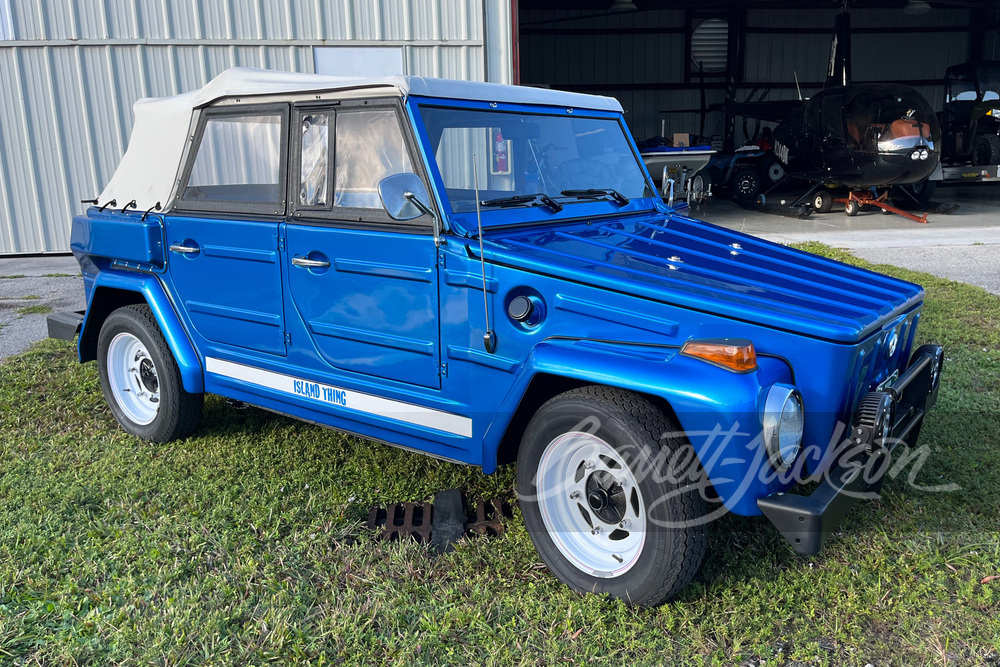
column 584, row 173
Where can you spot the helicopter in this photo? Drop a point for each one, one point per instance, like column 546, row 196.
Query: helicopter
column 865, row 137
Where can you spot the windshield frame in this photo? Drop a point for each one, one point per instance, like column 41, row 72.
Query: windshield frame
column 574, row 208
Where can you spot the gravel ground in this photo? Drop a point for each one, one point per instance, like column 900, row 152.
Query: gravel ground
column 30, row 289
column 973, row 264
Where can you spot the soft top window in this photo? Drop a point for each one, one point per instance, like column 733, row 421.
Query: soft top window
column 238, row 164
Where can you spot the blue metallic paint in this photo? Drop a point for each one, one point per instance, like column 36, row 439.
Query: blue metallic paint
column 231, row 289
column 707, row 400
column 691, row 263
column 374, row 311
column 150, row 287
column 122, row 237
column 641, row 275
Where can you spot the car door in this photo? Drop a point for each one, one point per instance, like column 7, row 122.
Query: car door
column 222, row 234
column 362, row 288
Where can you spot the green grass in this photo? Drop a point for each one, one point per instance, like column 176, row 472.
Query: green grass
column 243, row 545
column 34, row 310
column 12, row 277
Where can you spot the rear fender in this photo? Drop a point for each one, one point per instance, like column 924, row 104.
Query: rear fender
column 114, row 289
column 719, row 410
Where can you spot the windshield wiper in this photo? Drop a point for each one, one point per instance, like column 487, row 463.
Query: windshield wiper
column 598, row 193
column 536, row 199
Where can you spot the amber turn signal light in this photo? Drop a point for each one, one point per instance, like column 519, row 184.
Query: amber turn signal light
column 735, row 354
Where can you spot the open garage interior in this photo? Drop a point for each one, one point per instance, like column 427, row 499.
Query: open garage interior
column 675, row 65
column 666, row 60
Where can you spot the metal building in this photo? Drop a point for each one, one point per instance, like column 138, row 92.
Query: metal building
column 70, row 71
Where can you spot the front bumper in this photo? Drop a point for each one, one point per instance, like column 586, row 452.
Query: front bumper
column 861, row 464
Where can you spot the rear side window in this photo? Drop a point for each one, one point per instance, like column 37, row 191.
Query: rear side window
column 239, row 164
column 370, row 146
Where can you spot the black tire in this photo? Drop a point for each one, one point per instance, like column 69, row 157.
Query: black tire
column 939, row 356
column 176, row 412
column 822, row 201
column 922, row 191
column 852, row 207
column 745, row 184
column 986, row 150
column 675, row 535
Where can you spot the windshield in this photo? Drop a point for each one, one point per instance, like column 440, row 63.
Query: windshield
column 989, row 81
column 960, row 88
column 520, row 154
column 888, row 118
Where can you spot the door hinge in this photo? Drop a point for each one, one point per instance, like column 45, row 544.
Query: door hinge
column 443, row 370
column 281, row 243
column 288, row 338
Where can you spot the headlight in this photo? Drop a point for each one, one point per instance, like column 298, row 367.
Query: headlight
column 783, row 425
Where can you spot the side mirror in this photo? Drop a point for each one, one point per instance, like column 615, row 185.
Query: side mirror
column 404, row 196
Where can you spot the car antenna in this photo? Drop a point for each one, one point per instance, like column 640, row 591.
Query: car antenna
column 490, row 337
column 796, row 75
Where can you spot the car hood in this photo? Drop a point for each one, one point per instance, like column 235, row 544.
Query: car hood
column 674, row 259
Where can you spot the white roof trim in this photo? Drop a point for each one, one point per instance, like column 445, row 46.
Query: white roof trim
column 148, row 172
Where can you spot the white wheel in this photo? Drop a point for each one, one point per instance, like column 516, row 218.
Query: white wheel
column 775, row 172
column 140, row 378
column 590, row 504
column 602, row 520
column 133, row 378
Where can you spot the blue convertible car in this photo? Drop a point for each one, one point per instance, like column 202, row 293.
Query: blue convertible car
column 484, row 273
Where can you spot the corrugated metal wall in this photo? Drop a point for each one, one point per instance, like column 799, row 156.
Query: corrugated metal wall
column 640, row 57
column 887, row 45
column 627, row 55
column 73, row 69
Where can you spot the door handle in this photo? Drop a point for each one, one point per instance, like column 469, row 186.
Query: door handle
column 306, row 263
column 183, row 249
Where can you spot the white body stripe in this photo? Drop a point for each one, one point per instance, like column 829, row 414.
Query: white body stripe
column 344, row 398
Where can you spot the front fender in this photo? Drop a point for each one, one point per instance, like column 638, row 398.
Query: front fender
column 719, row 410
column 109, row 282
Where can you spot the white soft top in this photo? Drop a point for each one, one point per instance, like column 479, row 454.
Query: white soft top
column 149, row 170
